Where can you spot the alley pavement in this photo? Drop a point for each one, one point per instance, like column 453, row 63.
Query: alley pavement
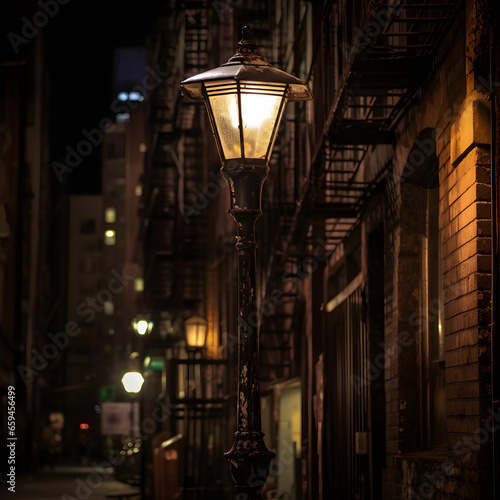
column 67, row 483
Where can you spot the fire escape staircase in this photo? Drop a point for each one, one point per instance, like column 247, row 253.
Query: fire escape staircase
column 379, row 68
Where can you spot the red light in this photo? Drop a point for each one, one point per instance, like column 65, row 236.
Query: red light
column 84, row 426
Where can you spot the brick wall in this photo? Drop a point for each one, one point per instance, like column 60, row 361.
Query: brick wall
column 461, row 121
column 465, row 227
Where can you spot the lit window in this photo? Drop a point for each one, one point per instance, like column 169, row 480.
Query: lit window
column 109, row 237
column 110, row 215
column 139, row 285
column 109, row 308
column 122, row 117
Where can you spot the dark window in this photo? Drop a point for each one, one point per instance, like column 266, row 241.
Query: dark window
column 87, row 226
column 433, row 341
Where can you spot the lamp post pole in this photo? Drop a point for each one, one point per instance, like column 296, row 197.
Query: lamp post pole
column 132, row 382
column 245, row 100
column 249, row 457
column 143, row 451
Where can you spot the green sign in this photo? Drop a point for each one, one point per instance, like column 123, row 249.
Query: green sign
column 156, row 365
column 107, row 393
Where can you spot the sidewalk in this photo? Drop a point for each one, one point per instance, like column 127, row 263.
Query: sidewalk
column 67, row 483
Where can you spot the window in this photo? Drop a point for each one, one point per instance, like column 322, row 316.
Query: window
column 122, row 117
column 110, row 150
column 110, row 215
column 87, row 226
column 87, row 284
column 433, row 369
column 87, row 265
column 422, row 287
column 109, row 237
column 109, row 308
column 139, row 285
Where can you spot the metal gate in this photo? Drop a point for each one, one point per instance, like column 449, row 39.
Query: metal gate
column 346, row 403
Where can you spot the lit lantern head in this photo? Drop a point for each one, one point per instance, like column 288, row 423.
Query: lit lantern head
column 245, row 100
column 132, row 382
column 142, row 325
column 196, row 331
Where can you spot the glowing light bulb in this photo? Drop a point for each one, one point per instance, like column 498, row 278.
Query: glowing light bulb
column 142, row 327
column 256, row 109
column 132, row 381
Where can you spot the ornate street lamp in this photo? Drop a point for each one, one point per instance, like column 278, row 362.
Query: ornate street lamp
column 132, row 382
column 196, row 332
column 245, row 100
column 141, row 325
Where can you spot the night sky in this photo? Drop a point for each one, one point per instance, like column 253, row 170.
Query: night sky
column 81, row 38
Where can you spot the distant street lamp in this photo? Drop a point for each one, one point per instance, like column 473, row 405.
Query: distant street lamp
column 142, row 325
column 245, row 100
column 132, row 381
column 196, row 332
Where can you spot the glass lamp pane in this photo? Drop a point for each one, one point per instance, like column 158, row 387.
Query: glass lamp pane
column 225, row 112
column 261, row 104
column 259, row 114
column 196, row 331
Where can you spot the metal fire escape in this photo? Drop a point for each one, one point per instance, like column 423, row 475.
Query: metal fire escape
column 175, row 234
column 174, row 238
column 376, row 55
column 379, row 68
column 160, row 224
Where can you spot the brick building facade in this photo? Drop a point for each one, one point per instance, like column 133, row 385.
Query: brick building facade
column 375, row 246
column 377, row 250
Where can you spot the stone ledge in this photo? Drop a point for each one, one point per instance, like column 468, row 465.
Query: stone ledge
column 471, row 129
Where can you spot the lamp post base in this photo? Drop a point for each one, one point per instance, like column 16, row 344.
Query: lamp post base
column 249, row 461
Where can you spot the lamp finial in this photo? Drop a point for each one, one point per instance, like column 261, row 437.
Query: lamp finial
column 246, row 45
column 247, row 32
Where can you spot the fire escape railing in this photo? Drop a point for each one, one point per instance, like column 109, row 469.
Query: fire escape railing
column 369, row 61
